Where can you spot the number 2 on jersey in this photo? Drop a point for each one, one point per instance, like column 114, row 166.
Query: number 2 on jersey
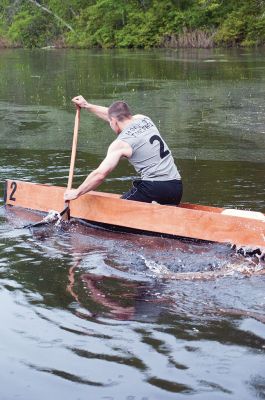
column 163, row 152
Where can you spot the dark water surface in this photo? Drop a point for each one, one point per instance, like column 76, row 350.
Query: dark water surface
column 84, row 312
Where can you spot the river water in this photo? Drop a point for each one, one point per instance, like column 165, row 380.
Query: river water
column 83, row 310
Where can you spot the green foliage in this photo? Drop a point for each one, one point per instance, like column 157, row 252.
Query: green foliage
column 232, row 31
column 32, row 29
column 131, row 23
column 243, row 26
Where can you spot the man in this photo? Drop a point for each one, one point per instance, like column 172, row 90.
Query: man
column 141, row 143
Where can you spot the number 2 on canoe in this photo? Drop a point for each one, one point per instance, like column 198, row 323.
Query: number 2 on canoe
column 163, row 152
column 14, row 188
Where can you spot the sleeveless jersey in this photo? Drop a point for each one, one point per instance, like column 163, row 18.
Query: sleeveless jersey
column 151, row 156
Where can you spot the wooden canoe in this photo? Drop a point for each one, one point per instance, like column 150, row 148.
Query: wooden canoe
column 246, row 229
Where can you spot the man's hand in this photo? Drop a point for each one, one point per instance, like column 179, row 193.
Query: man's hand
column 99, row 111
column 71, row 194
column 80, row 101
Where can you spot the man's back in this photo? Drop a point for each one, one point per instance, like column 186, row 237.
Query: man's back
column 150, row 154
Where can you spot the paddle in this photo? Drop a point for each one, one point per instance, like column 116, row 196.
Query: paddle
column 73, row 155
column 55, row 215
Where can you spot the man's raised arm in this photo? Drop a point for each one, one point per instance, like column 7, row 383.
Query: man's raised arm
column 99, row 111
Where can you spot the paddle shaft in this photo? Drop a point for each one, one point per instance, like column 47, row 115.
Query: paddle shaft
column 74, row 146
column 73, row 155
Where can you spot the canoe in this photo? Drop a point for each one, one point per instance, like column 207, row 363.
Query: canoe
column 236, row 227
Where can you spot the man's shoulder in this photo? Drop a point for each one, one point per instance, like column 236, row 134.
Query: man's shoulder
column 140, row 124
column 139, row 116
column 119, row 144
column 121, row 147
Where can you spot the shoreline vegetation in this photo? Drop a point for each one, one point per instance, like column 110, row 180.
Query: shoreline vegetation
column 132, row 23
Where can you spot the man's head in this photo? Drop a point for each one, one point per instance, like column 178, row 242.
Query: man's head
column 119, row 113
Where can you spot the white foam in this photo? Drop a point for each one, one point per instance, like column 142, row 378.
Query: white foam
column 155, row 267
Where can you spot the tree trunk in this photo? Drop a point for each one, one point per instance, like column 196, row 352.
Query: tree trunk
column 53, row 14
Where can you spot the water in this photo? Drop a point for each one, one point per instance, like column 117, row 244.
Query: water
column 91, row 312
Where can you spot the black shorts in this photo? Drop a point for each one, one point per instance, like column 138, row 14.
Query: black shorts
column 163, row 192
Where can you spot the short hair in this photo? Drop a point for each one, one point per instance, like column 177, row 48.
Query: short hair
column 119, row 110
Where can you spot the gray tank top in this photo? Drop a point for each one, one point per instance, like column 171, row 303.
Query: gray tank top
column 151, row 156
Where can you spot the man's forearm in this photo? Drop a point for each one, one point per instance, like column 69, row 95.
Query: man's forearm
column 99, row 111
column 92, row 182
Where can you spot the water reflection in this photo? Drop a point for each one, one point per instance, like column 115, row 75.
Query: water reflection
column 117, row 297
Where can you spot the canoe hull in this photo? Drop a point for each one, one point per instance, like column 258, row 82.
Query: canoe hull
column 187, row 220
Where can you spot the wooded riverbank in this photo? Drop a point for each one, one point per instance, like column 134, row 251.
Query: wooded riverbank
column 132, row 23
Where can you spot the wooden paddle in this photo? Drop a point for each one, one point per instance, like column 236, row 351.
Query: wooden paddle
column 54, row 215
column 73, row 155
